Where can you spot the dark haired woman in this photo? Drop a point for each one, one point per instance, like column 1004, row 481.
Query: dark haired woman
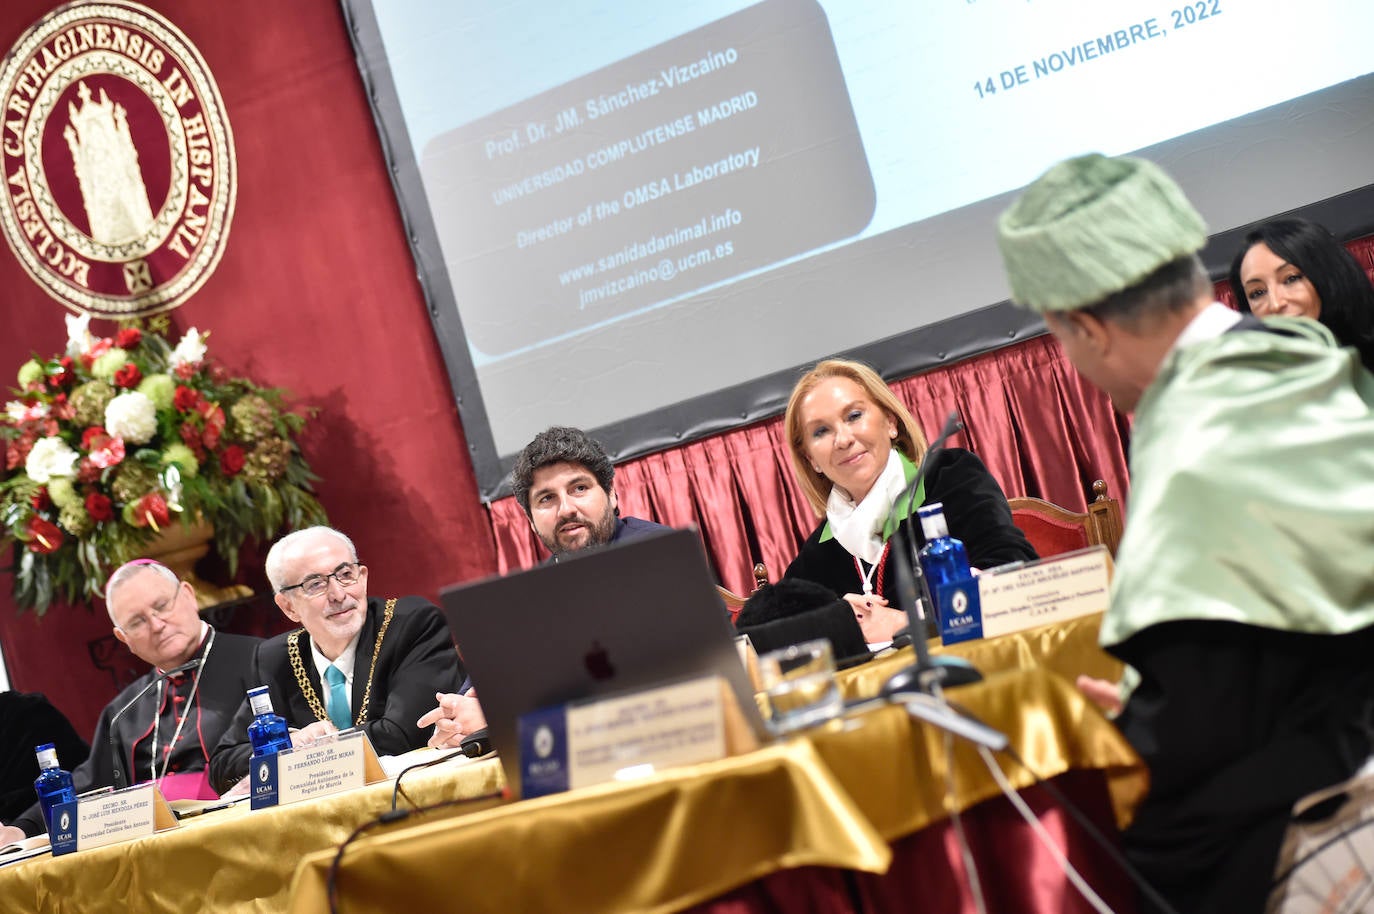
column 1298, row 269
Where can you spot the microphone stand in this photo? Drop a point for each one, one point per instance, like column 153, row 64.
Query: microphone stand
column 919, row 686
column 116, row 757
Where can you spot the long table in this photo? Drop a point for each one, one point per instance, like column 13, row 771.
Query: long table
column 844, row 817
column 838, row 801
column 237, row 859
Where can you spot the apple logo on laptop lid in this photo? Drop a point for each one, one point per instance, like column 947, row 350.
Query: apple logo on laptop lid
column 599, row 663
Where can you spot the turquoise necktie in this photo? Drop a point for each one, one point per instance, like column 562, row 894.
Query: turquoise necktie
column 338, row 697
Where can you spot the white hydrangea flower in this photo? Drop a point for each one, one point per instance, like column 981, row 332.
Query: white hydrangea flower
column 191, row 349
column 78, row 334
column 131, row 416
column 50, row 457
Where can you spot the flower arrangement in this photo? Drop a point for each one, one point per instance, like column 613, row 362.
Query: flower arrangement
column 108, row 443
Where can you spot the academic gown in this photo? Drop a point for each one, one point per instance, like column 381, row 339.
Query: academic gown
column 1243, row 601
column 417, row 658
column 224, row 680
column 975, row 509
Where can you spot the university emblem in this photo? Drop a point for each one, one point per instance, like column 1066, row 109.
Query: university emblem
column 119, row 171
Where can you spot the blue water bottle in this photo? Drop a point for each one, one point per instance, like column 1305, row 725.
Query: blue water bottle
column 54, row 785
column 944, row 561
column 267, row 732
column 943, row 558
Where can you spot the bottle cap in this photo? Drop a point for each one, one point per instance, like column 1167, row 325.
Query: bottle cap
column 47, row 755
column 260, row 700
column 933, row 520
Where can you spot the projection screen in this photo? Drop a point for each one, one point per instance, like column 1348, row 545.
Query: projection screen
column 642, row 219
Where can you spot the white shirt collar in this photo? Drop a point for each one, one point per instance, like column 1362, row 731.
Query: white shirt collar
column 344, row 662
column 859, row 528
column 1211, row 322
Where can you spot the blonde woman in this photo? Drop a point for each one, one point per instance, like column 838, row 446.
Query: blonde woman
column 854, row 448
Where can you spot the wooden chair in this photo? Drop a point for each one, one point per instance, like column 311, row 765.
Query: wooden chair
column 1053, row 530
column 733, row 601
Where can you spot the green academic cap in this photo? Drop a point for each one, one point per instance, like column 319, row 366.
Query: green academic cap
column 1092, row 226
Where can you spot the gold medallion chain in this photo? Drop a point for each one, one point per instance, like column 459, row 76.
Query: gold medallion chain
column 312, row 698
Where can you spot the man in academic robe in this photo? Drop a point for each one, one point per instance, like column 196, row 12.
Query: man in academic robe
column 356, row 661
column 566, row 484
column 166, row 730
column 1243, row 599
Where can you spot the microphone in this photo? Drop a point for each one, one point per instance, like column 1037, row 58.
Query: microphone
column 904, row 506
column 120, row 781
column 913, row 592
column 951, row 427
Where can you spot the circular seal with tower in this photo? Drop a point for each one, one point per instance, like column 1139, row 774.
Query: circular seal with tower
column 118, row 161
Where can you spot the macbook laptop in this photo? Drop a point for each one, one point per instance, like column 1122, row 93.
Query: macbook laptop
column 605, row 621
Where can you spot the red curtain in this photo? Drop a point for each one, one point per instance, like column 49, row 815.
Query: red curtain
column 1040, row 429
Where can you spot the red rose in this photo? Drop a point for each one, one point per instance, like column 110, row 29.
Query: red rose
column 128, row 338
column 128, row 376
column 65, row 373
column 99, row 507
column 185, row 371
column 186, row 399
column 152, row 509
column 231, row 461
column 43, row 536
column 40, row 499
column 89, row 435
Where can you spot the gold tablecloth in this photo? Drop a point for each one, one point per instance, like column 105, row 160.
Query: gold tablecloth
column 833, row 797
column 1069, row 649
column 237, row 859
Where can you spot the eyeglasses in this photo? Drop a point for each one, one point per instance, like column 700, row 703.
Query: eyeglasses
column 316, row 584
column 139, row 623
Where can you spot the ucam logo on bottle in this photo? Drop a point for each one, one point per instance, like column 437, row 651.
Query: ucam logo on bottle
column 961, row 616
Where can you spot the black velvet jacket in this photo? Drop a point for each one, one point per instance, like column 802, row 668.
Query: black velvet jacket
column 417, row 659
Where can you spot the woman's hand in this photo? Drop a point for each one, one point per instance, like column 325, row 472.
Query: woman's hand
column 878, row 621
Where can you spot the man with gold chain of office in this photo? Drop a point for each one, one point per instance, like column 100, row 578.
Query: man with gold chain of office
column 356, row 661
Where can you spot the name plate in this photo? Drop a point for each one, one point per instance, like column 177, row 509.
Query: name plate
column 108, row 818
column 326, row 768
column 1045, row 592
column 625, row 736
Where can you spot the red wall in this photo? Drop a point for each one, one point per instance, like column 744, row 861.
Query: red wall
column 316, row 292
